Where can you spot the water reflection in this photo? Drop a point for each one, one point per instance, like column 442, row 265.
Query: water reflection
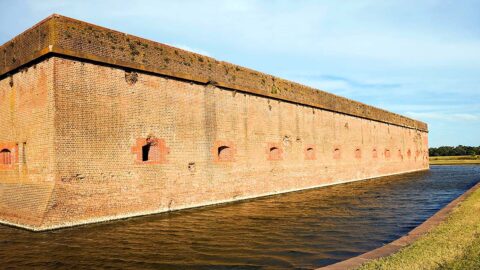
column 299, row 230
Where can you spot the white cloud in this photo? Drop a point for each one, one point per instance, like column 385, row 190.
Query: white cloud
column 444, row 116
column 190, row 49
column 419, row 58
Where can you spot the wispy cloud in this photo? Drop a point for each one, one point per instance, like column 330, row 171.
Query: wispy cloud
column 444, row 116
column 349, row 82
column 190, row 49
column 419, row 58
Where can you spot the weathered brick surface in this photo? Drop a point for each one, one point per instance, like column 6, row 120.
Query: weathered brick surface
column 26, row 118
column 25, row 47
column 80, row 131
column 66, row 36
column 100, row 116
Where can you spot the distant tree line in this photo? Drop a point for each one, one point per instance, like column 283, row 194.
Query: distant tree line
column 460, row 150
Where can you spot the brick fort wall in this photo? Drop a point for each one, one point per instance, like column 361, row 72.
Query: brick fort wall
column 103, row 119
column 27, row 176
column 99, row 125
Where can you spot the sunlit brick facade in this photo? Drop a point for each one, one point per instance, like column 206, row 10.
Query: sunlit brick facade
column 99, row 125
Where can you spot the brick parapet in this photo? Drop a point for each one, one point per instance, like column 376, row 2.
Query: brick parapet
column 69, row 37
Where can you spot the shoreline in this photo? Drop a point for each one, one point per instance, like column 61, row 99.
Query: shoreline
column 454, row 160
column 454, row 164
column 406, row 240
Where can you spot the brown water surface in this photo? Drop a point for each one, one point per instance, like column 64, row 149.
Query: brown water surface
column 300, row 230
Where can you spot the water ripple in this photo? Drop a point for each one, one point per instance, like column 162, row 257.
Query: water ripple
column 300, row 230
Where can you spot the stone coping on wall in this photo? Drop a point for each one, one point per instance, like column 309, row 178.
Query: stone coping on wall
column 403, row 241
column 60, row 35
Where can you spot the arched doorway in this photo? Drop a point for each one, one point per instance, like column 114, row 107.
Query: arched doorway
column 5, row 157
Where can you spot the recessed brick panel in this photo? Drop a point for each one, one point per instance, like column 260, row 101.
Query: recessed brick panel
column 310, row 152
column 337, row 153
column 8, row 156
column 274, row 151
column 358, row 153
column 223, row 151
column 387, row 153
column 155, row 154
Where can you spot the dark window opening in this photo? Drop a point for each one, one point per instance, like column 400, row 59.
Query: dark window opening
column 222, row 150
column 5, row 157
column 224, row 153
column 336, row 153
column 274, row 150
column 387, row 153
column 191, row 167
column 310, row 153
column 358, row 153
column 275, row 153
column 146, row 151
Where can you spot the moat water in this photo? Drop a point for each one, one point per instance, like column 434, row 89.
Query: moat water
column 300, row 230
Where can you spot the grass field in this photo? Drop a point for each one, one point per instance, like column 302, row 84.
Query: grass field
column 455, row 160
column 454, row 244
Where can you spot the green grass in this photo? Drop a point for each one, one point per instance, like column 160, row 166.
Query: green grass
column 455, row 160
column 470, row 260
column 454, row 244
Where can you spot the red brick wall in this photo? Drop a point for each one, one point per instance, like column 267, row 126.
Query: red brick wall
column 102, row 116
column 27, row 131
column 60, row 35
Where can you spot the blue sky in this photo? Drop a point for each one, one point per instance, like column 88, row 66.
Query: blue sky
column 416, row 58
